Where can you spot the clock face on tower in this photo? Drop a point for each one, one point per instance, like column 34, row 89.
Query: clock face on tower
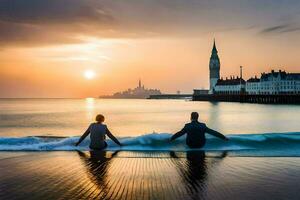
column 214, row 63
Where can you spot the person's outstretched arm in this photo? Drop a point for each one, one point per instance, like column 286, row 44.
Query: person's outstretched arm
column 86, row 133
column 178, row 134
column 111, row 136
column 215, row 133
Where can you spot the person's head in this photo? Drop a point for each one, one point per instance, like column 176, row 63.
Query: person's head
column 100, row 118
column 194, row 116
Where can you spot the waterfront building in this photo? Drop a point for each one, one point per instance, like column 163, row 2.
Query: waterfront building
column 269, row 83
column 279, row 83
column 253, row 85
column 230, row 86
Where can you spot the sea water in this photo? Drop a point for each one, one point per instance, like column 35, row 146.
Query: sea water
column 56, row 124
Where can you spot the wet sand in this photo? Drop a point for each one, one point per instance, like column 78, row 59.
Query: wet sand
column 154, row 175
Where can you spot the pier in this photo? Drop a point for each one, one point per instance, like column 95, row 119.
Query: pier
column 248, row 98
column 171, row 96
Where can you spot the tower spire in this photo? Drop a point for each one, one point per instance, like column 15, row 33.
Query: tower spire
column 140, row 83
column 214, row 50
column 214, row 68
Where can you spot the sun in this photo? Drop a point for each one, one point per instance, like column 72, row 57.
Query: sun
column 89, row 74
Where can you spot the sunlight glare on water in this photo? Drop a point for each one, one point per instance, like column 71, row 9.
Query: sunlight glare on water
column 130, row 117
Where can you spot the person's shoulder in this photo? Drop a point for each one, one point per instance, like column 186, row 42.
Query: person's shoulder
column 187, row 125
column 202, row 124
column 92, row 124
column 104, row 125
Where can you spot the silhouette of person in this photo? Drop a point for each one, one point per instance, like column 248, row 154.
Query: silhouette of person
column 97, row 164
column 195, row 131
column 194, row 172
column 97, row 132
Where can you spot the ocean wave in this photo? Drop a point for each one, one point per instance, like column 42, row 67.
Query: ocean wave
column 271, row 144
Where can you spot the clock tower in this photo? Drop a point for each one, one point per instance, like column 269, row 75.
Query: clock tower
column 214, row 69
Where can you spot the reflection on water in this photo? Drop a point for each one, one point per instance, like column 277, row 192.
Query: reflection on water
column 90, row 108
column 193, row 172
column 214, row 116
column 97, row 164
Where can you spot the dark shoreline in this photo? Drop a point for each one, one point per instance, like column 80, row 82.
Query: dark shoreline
column 247, row 98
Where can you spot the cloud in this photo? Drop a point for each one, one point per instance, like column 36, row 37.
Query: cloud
column 45, row 22
column 284, row 28
column 274, row 29
column 53, row 11
column 31, row 35
column 291, row 29
column 34, row 22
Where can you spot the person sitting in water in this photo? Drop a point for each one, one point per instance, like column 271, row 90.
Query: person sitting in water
column 196, row 132
column 98, row 131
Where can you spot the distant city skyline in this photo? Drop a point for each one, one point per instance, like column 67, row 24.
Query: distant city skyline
column 78, row 48
column 139, row 92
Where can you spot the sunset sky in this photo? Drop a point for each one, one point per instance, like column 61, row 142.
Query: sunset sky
column 46, row 46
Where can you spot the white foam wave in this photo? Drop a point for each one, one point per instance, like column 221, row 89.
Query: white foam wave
column 288, row 143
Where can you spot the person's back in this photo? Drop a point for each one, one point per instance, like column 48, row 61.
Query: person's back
column 196, row 132
column 97, row 133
